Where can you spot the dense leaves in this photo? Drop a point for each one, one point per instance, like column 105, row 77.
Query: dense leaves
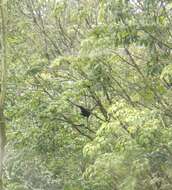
column 113, row 58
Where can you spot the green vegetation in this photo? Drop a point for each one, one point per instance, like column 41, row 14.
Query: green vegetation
column 86, row 95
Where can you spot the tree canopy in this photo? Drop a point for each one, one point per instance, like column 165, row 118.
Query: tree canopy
column 87, row 94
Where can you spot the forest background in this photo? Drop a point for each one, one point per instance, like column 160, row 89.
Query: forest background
column 86, row 95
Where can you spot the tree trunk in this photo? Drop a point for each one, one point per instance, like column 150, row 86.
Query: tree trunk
column 2, row 146
column 3, row 73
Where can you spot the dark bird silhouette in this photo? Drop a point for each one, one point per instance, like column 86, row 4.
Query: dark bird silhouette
column 84, row 111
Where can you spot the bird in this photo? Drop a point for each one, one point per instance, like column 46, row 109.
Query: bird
column 83, row 111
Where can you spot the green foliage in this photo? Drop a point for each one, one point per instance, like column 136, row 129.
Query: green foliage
column 111, row 57
column 131, row 153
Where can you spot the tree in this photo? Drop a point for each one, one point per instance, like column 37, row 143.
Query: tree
column 112, row 54
column 2, row 90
